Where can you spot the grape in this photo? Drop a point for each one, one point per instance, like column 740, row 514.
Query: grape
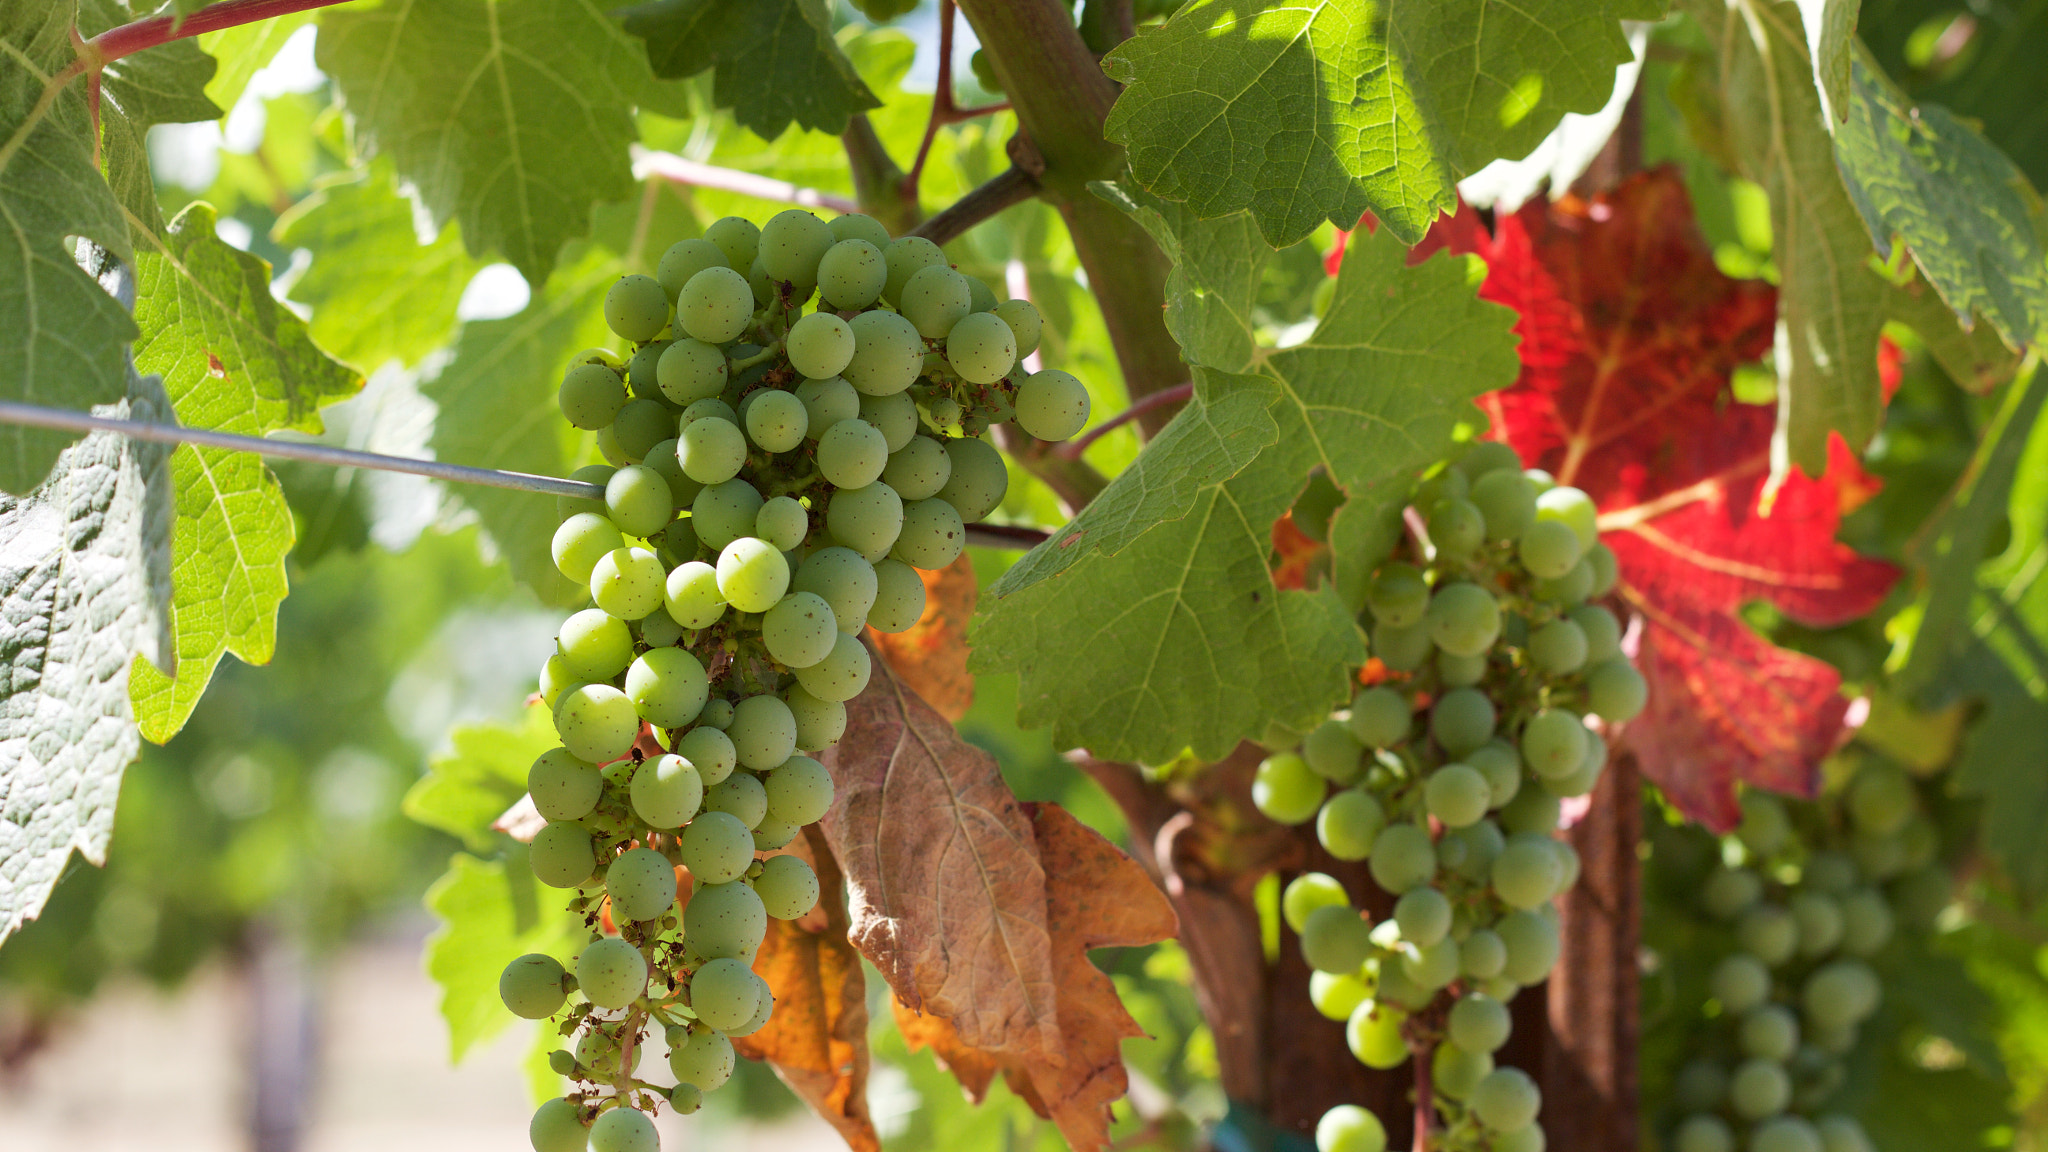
column 1819, row 919
column 724, row 993
column 844, row 581
column 1532, row 810
column 895, row 416
column 666, row 791
column 1506, row 1099
column 1052, row 405
column 668, row 687
column 841, row 675
column 591, row 395
column 1606, row 569
column 945, row 413
column 1399, row 596
column 1022, row 319
column 819, row 345
column 692, row 596
column 1840, row 994
column 1575, row 510
column 752, row 574
column 643, row 371
column 1758, row 1089
column 981, row 348
column 771, row 834
column 1457, row 795
column 611, row 973
column 1349, row 1128
column 1548, row 549
column 681, row 489
column 1454, row 1072
column 793, row 242
column 1770, row 1033
column 717, row 714
column 709, row 406
column 531, row 986
column 1553, row 742
column 1615, row 691
column 1880, row 798
column 852, row 273
column 1423, row 915
column 905, row 257
column 641, row 425
column 866, row 520
column 787, row 887
column 1335, row 939
column 715, row 305
column 783, row 522
column 763, row 1009
column 1402, row 858
column 1464, row 619
column 1286, row 789
column 932, row 535
column 741, row 796
column 716, row 847
column 1785, row 1134
column 859, row 226
column 725, row 919
column 641, row 884
column 1394, row 986
column 722, row 513
column 1486, row 457
column 703, row 1060
column 888, row 354
column 1306, row 893
column 711, row 450
column 556, row 1128
column 1559, row 647
column 761, row 288
column 777, row 421
column 636, row 307
column 684, row 259
column 639, row 500
column 566, row 507
column 1482, row 955
column 1333, row 753
column 597, row 723
column 1380, row 717
column 1703, row 1133
column 1462, row 720
column 561, row 855
column 1765, row 827
column 978, row 481
column 934, row 299
column 580, row 541
column 608, row 447
column 1866, row 922
column 563, row 787
column 919, row 469
column 709, row 749
column 763, row 732
column 1532, row 946
column 624, row 1130
column 1527, row 872
column 594, row 645
column 738, row 238
column 1374, row 1035
column 799, row 631
column 627, row 583
column 1479, row 1023
column 1769, row 931
column 1506, row 502
column 1502, row 769
column 1402, row 649
column 1581, row 779
column 852, row 453
column 819, row 723
column 799, row 791
column 1456, row 528
column 1728, row 892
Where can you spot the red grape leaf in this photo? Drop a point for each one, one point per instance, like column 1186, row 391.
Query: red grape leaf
column 1629, row 337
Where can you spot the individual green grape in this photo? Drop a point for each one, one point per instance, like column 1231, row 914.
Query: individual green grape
column 1506, row 501
column 932, row 536
column 1881, row 798
column 1759, row 1088
column 866, row 520
column 1460, row 671
column 1286, row 789
column 1575, row 510
column 852, row 274
column 581, row 541
column 1606, row 569
column 1559, row 647
column 1867, row 922
column 1553, row 742
column 641, row 884
column 681, row 489
column 531, row 986
column 1769, row 931
column 1548, row 549
column 1839, row 1133
column 826, row 402
column 919, row 469
column 738, row 238
column 740, row 795
column 691, row 370
column 566, row 507
column 895, row 416
column 561, row 855
column 597, row 723
column 1454, row 1072
column 709, row 406
column 591, row 395
column 1463, row 619
column 793, row 242
column 1701, row 1085
column 1337, row 995
column 1479, row 1023
column 563, row 787
column 1502, row 768
column 666, row 791
column 852, row 454
column 1819, row 918
column 819, row 723
column 841, row 675
column 724, row 993
column 763, row 732
column 1456, row 528
column 1462, row 720
column 1374, row 1035
column 888, row 354
column 844, row 581
column 611, row 973
column 1433, row 967
column 685, row 1099
column 799, row 630
column 1765, row 826
column 608, row 447
column 684, row 259
column 1786, row 1134
column 859, row 226
column 1505, row 1100
column 934, row 299
column 722, row 513
column 1615, row 691
column 641, row 425
column 819, row 345
column 906, row 257
column 1403, row 857
column 711, row 450
column 556, row 1128
column 783, row 522
column 1482, row 955
column 595, row 645
column 764, row 290
column 764, row 1008
column 725, row 920
column 1703, row 1133
column 1532, row 946
column 624, row 1130
column 1770, row 1033
column 1840, row 994
column 1457, row 795
column 1740, row 982
column 981, row 348
column 899, row 597
column 679, row 539
column 752, row 574
column 627, row 583
column 636, row 307
column 945, row 413
column 978, row 480
column 1333, row 752
column 707, row 747
column 1423, row 915
column 787, row 887
column 703, row 1059
column 777, row 421
column 1052, row 405
column 1335, row 939
column 1306, row 893
column 692, row 596
column 1485, row 457
column 1399, row 596
column 1380, row 717
column 715, row 305
column 716, row 847
column 668, row 687
column 1532, row 810
column 643, row 371
column 639, row 500
column 1527, row 873
column 1729, row 892
column 1024, row 322
column 771, row 833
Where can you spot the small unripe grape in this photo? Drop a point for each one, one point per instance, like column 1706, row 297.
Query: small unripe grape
column 1374, row 1035
column 1454, row 1072
column 531, row 986
column 842, row 674
column 1457, row 795
column 1286, row 790
column 1840, row 1133
column 556, row 1128
column 1482, row 955
column 716, row 848
column 611, row 973
column 707, row 747
column 932, row 536
column 1462, row 720
column 935, row 299
column 752, row 574
column 692, row 596
column 1615, row 691
column 799, row 791
column 725, row 920
column 777, row 421
column 867, row 520
column 1759, row 1088
column 799, row 631
column 1506, row 1100
column 1741, row 983
column 782, row 522
column 563, row 787
column 894, row 416
column 597, row 723
column 1403, row 857
column 724, row 993
column 852, row 273
column 561, row 855
column 826, row 402
column 1456, row 528
column 1380, row 717
column 738, row 237
column 888, row 354
column 1399, row 596
column 1532, row 946
column 684, row 259
column 741, row 796
column 1867, row 922
column 1603, row 631
column 1770, row 1033
column 1532, row 810
column 1460, row 671
column 641, row 884
column 1507, row 502
column 1402, row 649
column 793, row 242
column 1527, row 873
column 722, row 513
column 1559, row 647
column 1024, row 321
column 762, row 731
column 715, row 305
column 1336, row 995
column 1349, row 1128
column 919, row 469
column 703, row 1060
column 1464, row 619
column 666, row 791
column 844, row 581
column 1769, row 932
column 1881, row 798
column 1786, row 1134
column 819, row 345
column 1548, row 549
column 819, row 723
column 1819, row 919
column 1840, row 994
column 1423, row 915
column 636, row 307
column 581, row 541
column 1052, row 405
column 1729, row 892
column 1479, row 1023
column 627, row 583
column 787, row 887
column 1348, row 824
column 1765, row 827
column 852, row 454
column 981, row 348
column 1574, row 509
column 1335, row 939
column 1703, row 1133
column 1553, row 742
column 624, row 1130
column 979, row 478
column 711, row 450
column 1501, row 765
column 1306, row 893
column 591, row 395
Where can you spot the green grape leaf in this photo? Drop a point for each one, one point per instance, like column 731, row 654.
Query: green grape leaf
column 1831, row 41
column 1976, row 357
column 776, row 60
column 62, row 336
column 244, row 50
column 1214, row 286
column 376, row 292
column 468, row 788
column 1306, row 113
column 513, row 119
column 502, row 384
column 161, row 85
column 1831, row 303
column 1960, row 206
column 84, row 587
column 492, row 912
column 1212, row 648
column 233, row 358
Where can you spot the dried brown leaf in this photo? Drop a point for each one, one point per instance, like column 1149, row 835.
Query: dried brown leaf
column 972, row 1067
column 931, row 656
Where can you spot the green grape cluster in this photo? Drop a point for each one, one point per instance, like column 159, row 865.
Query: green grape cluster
column 792, row 436
column 1807, row 895
column 1446, row 776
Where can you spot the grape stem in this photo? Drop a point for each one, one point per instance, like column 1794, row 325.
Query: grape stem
column 128, row 39
column 693, row 174
column 1179, row 393
column 1013, row 186
column 944, row 110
